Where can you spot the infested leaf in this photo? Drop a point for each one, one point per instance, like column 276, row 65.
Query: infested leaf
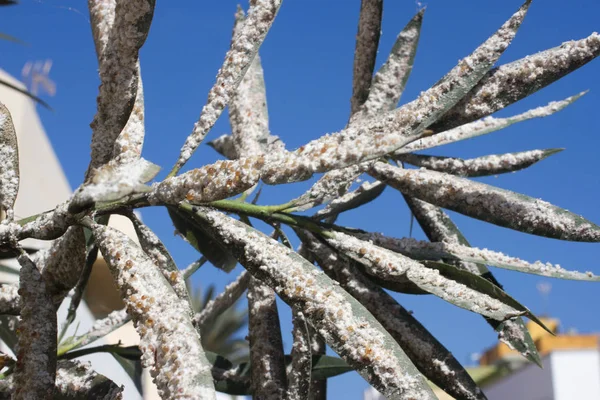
column 488, row 203
column 9, row 162
column 114, row 181
column 481, row 166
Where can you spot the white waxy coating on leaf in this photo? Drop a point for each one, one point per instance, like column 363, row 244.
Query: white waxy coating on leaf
column 266, row 345
column 299, row 381
column 390, row 266
column 485, row 126
column 420, row 345
column 76, row 379
column 244, row 48
column 170, row 344
column 329, row 187
column 129, row 143
column 368, row 190
column 365, row 53
column 388, row 83
column 103, row 327
column 481, row 166
column 511, row 82
column 346, row 326
column 426, row 250
column 35, row 371
column 10, row 302
column 118, row 68
column 9, row 162
column 61, row 264
column 488, row 203
column 113, row 181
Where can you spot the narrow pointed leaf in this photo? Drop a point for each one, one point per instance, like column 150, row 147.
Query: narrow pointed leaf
column 365, row 53
column 434, row 251
column 511, row 82
column 238, row 59
column 364, row 345
column 457, row 289
column 488, row 203
column 389, row 82
column 485, row 126
column 366, row 193
column 481, row 166
column 329, row 187
column 156, row 250
column 376, row 137
column 425, row 351
column 192, row 232
column 100, row 329
column 438, row 227
column 9, row 162
column 35, row 371
column 161, row 319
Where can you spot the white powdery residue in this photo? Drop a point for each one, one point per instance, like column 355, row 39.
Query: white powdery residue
column 243, row 48
column 157, row 251
column 365, row 53
column 443, row 367
column 223, row 301
column 511, row 333
column 118, row 70
column 76, row 379
column 128, row 145
column 343, row 203
column 9, row 162
column 266, row 345
column 299, row 373
column 330, row 186
column 62, row 263
column 388, row 83
column 10, row 302
column 113, row 181
column 485, row 126
column 486, row 165
column 511, row 82
column 35, row 371
column 381, row 262
column 212, row 182
column 48, row 226
column 169, row 343
column 488, row 203
column 325, row 305
column 434, row 251
column 102, row 16
column 104, row 326
column 414, row 339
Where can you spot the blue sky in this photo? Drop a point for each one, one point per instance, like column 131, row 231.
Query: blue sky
column 307, row 58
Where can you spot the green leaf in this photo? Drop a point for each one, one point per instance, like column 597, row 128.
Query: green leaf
column 494, row 164
column 193, row 233
column 488, row 203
